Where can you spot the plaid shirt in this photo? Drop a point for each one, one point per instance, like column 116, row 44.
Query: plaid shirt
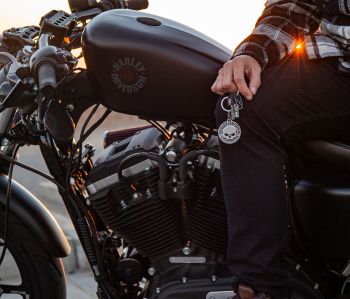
column 322, row 26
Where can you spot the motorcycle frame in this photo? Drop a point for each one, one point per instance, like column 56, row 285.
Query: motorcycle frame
column 26, row 206
column 75, row 91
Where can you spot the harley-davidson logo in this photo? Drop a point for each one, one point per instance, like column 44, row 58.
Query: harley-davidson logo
column 129, row 75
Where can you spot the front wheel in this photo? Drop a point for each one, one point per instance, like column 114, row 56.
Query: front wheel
column 27, row 270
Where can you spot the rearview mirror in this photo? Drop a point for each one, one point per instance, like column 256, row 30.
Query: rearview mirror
column 80, row 5
column 138, row 4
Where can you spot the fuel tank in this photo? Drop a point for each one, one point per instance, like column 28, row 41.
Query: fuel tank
column 153, row 67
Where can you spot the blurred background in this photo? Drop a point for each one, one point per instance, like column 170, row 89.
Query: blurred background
column 227, row 21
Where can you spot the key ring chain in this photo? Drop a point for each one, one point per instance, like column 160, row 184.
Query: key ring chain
column 222, row 103
column 237, row 98
column 229, row 132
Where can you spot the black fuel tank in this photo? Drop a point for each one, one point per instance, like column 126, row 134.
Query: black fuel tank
column 153, row 67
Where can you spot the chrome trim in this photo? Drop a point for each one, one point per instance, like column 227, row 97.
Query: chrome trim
column 114, row 178
column 346, row 271
column 221, row 295
column 187, row 260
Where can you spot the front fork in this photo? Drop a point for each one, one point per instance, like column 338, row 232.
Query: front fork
column 86, row 223
column 6, row 119
column 6, row 147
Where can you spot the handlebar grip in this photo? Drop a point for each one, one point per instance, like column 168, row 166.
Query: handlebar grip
column 81, row 5
column 47, row 80
column 138, row 4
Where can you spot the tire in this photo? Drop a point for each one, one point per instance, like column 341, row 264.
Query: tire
column 42, row 276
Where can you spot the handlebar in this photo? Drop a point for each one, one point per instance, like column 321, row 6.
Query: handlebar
column 137, row 4
column 47, row 79
column 79, row 6
column 43, row 65
column 44, row 40
column 49, row 60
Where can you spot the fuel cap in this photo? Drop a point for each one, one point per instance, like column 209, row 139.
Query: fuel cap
column 149, row 21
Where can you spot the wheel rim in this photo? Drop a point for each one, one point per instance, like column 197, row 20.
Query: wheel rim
column 13, row 283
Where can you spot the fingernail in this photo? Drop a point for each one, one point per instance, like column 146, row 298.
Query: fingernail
column 249, row 97
column 254, row 90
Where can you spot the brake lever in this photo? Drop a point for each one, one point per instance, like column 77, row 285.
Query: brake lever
column 12, row 72
column 16, row 92
column 6, row 58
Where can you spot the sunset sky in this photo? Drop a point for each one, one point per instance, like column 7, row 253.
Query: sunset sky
column 227, row 21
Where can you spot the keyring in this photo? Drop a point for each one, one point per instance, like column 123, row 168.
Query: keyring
column 228, row 97
column 222, row 103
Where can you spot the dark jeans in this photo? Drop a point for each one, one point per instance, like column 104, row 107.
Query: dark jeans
column 298, row 100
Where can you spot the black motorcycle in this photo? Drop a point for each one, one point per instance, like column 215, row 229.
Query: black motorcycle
column 149, row 211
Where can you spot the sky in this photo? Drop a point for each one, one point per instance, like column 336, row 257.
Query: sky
column 227, row 21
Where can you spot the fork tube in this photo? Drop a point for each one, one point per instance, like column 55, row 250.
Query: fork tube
column 6, row 118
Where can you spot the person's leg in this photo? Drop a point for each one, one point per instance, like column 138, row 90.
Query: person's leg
column 297, row 100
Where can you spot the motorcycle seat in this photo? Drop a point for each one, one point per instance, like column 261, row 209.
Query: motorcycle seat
column 331, row 153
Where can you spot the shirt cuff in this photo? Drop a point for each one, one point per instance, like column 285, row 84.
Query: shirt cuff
column 254, row 50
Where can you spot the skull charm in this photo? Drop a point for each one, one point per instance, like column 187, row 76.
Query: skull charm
column 229, row 132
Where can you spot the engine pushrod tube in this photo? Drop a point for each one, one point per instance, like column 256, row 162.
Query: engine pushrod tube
column 191, row 156
column 163, row 169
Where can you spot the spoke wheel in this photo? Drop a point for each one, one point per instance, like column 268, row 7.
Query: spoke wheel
column 11, row 283
column 27, row 271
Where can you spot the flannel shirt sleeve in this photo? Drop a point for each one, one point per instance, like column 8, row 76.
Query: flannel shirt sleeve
column 281, row 24
column 334, row 7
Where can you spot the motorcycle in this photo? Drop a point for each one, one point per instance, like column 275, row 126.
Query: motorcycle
column 148, row 210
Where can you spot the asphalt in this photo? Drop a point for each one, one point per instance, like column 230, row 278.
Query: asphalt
column 80, row 283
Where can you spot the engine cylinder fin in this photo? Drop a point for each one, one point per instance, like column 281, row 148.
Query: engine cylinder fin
column 153, row 226
column 142, row 215
column 153, row 239
column 205, row 213
column 207, row 216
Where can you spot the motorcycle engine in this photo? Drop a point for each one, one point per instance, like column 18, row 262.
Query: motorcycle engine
column 171, row 222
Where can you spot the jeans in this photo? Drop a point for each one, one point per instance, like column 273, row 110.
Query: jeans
column 298, row 100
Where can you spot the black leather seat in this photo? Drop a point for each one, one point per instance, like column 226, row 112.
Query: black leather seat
column 330, row 153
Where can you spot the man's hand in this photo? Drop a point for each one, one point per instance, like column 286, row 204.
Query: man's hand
column 242, row 74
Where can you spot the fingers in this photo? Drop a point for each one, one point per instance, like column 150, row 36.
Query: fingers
column 239, row 77
column 228, row 83
column 224, row 82
column 255, row 81
column 217, row 86
column 241, row 73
